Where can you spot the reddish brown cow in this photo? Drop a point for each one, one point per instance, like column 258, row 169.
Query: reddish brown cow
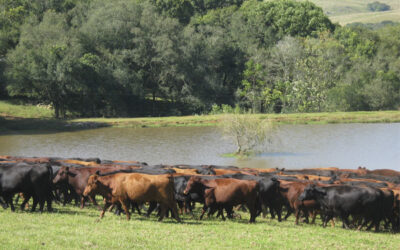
column 232, row 171
column 76, row 179
column 123, row 188
column 226, row 193
column 384, row 172
column 290, row 192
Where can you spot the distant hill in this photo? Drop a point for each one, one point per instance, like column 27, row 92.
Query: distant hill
column 350, row 11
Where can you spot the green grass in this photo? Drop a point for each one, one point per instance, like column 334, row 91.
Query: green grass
column 26, row 117
column 72, row 228
column 9, row 109
column 212, row 120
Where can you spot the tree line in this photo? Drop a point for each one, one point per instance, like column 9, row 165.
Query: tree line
column 176, row 57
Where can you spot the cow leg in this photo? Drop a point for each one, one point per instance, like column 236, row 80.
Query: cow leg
column 272, row 211
column 332, row 222
column 305, row 212
column 111, row 208
column 82, row 202
column 163, row 208
column 125, row 205
column 289, row 212
column 313, row 215
column 8, row 200
column 203, row 212
column 327, row 217
column 34, row 204
column 41, row 204
column 49, row 201
column 106, row 205
column 221, row 212
column 152, row 207
column 229, row 212
column 297, row 214
column 278, row 211
column 253, row 212
column 135, row 205
column 3, row 203
column 180, row 206
column 345, row 221
column 25, row 202
column 174, row 210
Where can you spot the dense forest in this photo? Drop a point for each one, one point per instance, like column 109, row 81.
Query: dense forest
column 175, row 57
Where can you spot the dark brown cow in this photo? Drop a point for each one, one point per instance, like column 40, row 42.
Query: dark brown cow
column 77, row 178
column 226, row 193
column 343, row 180
column 125, row 188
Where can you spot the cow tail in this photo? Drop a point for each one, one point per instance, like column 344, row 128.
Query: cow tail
column 51, row 185
column 51, row 173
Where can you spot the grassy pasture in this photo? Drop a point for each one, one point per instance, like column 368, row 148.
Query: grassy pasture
column 72, row 228
column 8, row 109
column 27, row 117
column 349, row 11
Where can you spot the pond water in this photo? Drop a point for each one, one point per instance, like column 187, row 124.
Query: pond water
column 293, row 146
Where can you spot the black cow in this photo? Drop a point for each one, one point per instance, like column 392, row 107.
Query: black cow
column 33, row 180
column 343, row 201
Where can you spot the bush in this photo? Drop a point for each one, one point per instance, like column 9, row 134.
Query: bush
column 224, row 109
column 377, row 6
column 247, row 131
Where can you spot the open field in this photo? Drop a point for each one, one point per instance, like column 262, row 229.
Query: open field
column 23, row 117
column 71, row 228
column 349, row 11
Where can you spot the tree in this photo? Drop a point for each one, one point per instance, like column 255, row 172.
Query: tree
column 377, row 6
column 183, row 10
column 248, row 132
column 212, row 66
column 44, row 64
column 253, row 86
column 269, row 21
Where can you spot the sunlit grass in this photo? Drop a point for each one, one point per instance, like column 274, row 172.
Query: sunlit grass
column 71, row 228
column 24, row 111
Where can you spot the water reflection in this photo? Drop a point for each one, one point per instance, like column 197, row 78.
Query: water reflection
column 294, row 146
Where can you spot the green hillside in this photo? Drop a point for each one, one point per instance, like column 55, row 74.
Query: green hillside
column 349, row 11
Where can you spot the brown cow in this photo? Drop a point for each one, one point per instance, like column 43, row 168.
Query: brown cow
column 290, row 192
column 226, row 193
column 76, row 179
column 123, row 188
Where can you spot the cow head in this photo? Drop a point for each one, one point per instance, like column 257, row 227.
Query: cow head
column 92, row 185
column 311, row 192
column 193, row 184
column 62, row 175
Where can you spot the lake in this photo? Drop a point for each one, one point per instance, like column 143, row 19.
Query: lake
column 293, row 146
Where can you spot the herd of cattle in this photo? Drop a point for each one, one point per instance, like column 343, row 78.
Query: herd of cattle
column 359, row 197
